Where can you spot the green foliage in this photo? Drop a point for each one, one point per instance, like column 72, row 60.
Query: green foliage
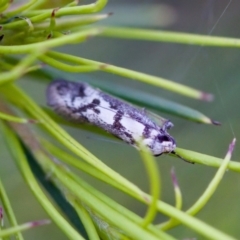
column 32, row 30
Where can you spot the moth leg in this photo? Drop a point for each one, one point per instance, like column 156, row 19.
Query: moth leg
column 173, row 152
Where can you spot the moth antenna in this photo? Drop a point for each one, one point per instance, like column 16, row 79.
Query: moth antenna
column 173, row 152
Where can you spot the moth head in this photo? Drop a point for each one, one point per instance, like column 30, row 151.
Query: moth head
column 164, row 143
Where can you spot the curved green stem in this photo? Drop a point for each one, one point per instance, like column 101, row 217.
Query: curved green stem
column 153, row 174
column 167, row 36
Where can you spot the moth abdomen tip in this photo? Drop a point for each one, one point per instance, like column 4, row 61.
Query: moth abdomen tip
column 53, row 90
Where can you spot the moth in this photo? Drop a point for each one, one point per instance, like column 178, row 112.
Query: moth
column 81, row 102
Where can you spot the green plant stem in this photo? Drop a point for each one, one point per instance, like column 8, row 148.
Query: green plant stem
column 174, row 37
column 166, row 209
column 9, row 211
column 80, row 165
column 204, row 198
column 206, row 159
column 90, row 8
column 7, row 117
column 21, row 67
column 86, row 220
column 115, row 218
column 156, row 81
column 66, row 67
column 111, row 215
column 117, row 207
column 52, row 166
column 197, row 225
column 13, row 230
column 178, row 197
column 67, row 39
column 178, row 202
column 64, row 25
column 140, row 98
column 153, row 174
column 58, row 133
column 21, row 160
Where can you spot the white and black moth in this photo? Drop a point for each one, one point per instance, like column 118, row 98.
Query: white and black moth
column 80, row 102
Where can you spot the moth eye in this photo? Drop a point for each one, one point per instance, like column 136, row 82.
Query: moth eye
column 164, row 138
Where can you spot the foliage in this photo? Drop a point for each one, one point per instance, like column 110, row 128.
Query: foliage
column 28, row 34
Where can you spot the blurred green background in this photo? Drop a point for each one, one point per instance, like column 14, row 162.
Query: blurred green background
column 214, row 70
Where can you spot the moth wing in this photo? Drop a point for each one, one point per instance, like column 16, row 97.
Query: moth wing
column 160, row 121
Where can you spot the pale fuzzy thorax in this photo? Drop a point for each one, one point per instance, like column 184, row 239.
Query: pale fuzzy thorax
column 83, row 103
